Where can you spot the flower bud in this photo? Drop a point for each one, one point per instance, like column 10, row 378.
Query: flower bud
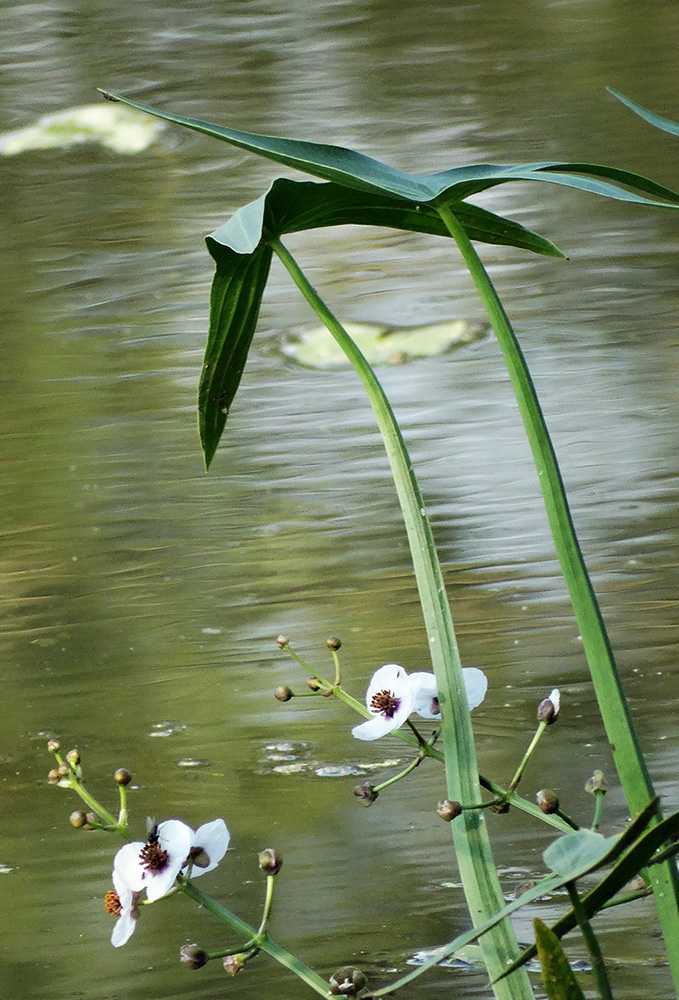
column 313, row 683
column 193, row 956
column 548, row 709
column 78, row 819
column 448, row 810
column 347, row 981
column 91, row 822
column 597, row 783
column 53, row 776
column 233, row 964
column 282, row 641
column 54, row 746
column 123, row 776
column 73, row 757
column 548, row 800
column 270, row 861
column 64, row 771
column 500, row 808
column 283, row 693
column 334, row 643
column 365, row 793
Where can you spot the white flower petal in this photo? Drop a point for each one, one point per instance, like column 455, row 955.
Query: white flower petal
column 425, row 695
column 128, row 873
column 213, row 838
column 374, row 728
column 475, row 684
column 555, row 698
column 176, row 838
column 124, row 928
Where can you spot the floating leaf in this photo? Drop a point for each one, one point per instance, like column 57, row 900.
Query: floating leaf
column 315, row 348
column 117, row 127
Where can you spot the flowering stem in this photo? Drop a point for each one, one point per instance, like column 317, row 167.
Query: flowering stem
column 75, row 782
column 264, row 942
column 267, row 906
column 526, row 757
column 122, row 815
column 598, row 808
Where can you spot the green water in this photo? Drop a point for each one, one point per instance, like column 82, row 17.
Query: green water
column 141, row 597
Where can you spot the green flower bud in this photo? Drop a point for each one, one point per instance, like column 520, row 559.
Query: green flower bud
column 270, row 861
column 123, row 776
column 193, row 956
column 283, row 693
column 233, row 964
column 597, row 783
column 448, row 810
column 547, row 800
column 73, row 757
column 334, row 643
column 54, row 746
column 347, row 981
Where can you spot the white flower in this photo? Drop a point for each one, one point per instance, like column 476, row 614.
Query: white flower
column 389, row 699
column 393, row 694
column 154, row 866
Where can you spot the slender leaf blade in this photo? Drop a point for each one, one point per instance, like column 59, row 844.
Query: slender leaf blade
column 666, row 124
column 557, row 976
column 357, row 171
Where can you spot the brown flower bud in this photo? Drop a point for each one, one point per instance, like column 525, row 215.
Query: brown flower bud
column 313, row 683
column 53, row 776
column 448, row 810
column 548, row 709
column 548, row 800
column 78, row 819
column 193, row 956
column 347, row 981
column 365, row 793
column 270, row 861
column 123, row 776
column 64, row 771
column 334, row 643
column 283, row 693
column 54, row 746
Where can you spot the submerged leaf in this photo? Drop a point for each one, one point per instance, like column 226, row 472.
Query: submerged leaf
column 117, row 127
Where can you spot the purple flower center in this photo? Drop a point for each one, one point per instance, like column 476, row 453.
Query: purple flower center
column 385, row 703
column 153, row 858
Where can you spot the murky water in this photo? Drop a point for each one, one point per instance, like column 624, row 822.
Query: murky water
column 141, row 597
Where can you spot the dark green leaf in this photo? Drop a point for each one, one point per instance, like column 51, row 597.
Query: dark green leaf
column 353, row 170
column 666, row 124
column 557, row 975
column 235, row 300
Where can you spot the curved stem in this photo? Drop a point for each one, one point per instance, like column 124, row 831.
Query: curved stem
column 470, row 834
column 615, row 713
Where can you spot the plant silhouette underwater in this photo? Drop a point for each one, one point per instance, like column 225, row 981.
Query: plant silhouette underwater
column 359, row 190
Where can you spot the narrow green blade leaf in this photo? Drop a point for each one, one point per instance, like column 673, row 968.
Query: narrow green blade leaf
column 557, row 976
column 235, row 300
column 353, row 170
column 666, row 124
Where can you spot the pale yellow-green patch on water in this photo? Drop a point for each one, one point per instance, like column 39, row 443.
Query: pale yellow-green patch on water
column 114, row 126
column 381, row 345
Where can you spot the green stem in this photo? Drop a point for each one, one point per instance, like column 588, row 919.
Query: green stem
column 615, row 713
column 470, row 834
column 264, row 942
column 595, row 954
column 598, row 809
column 526, row 757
